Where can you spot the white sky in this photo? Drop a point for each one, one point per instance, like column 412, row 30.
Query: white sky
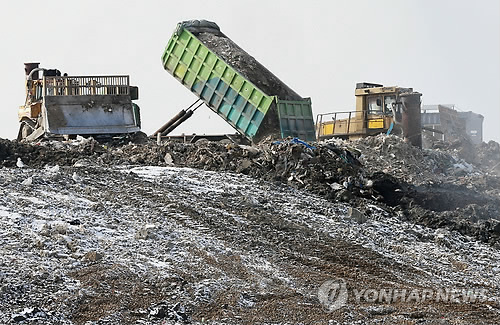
column 447, row 50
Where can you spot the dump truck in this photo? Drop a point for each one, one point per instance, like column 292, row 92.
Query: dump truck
column 234, row 85
column 379, row 109
column 62, row 106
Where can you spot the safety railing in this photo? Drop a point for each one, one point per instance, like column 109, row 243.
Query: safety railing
column 348, row 122
column 87, row 85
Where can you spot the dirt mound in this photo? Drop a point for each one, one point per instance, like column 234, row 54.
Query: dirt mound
column 38, row 155
column 247, row 65
column 382, row 170
column 485, row 155
column 488, row 156
column 170, row 245
column 113, row 232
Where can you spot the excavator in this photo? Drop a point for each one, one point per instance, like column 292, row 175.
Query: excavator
column 379, row 109
column 61, row 107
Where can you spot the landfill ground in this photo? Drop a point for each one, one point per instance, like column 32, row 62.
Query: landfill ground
column 140, row 233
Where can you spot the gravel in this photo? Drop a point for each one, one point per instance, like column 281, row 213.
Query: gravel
column 227, row 234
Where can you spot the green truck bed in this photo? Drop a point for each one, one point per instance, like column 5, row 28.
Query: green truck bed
column 235, row 85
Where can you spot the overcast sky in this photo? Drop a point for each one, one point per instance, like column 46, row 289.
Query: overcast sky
column 447, row 50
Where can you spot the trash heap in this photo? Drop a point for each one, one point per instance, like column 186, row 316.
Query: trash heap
column 96, row 232
column 391, row 155
column 485, row 155
column 247, row 65
column 488, row 156
column 432, row 187
column 104, row 244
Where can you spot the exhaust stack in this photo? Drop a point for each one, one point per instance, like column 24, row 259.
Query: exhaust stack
column 28, row 67
column 411, row 118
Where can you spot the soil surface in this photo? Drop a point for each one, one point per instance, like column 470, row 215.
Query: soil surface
column 126, row 233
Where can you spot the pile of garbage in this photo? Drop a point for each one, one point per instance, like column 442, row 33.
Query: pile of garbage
column 488, row 156
column 433, row 187
column 485, row 155
column 391, row 155
column 122, row 231
column 247, row 65
column 172, row 245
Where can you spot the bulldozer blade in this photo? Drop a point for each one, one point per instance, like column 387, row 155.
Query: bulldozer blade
column 69, row 115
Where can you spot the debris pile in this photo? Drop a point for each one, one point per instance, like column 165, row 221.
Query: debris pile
column 247, row 65
column 131, row 233
column 485, row 155
column 391, row 155
column 432, row 187
column 488, row 156
column 174, row 245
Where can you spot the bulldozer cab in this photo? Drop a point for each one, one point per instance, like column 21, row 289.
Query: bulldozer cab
column 379, row 109
column 381, row 104
column 377, row 102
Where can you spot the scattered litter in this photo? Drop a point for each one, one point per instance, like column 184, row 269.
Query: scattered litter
column 27, row 182
column 76, row 178
column 194, row 231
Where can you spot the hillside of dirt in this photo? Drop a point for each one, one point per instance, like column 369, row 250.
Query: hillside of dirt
column 220, row 233
column 432, row 187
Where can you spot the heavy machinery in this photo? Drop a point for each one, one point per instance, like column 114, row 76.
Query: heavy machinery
column 234, row 85
column 445, row 122
column 65, row 106
column 379, row 109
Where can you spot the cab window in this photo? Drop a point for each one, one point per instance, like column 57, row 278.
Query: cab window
column 375, row 105
column 389, row 103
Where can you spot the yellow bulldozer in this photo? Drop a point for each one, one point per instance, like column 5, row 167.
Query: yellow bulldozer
column 379, row 109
